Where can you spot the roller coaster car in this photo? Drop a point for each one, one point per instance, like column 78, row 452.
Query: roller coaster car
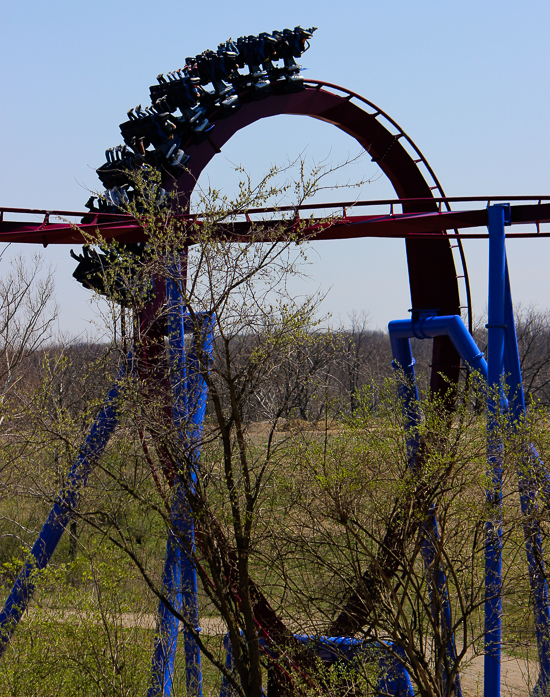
column 184, row 95
column 165, row 134
column 212, row 69
column 155, row 128
column 229, row 53
column 114, row 173
column 178, row 93
column 298, row 39
column 116, row 275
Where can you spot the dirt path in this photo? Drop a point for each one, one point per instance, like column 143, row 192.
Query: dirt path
column 209, row 625
column 518, row 677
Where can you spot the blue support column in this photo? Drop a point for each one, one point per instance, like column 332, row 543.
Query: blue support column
column 226, row 689
column 197, row 392
column 393, row 678
column 189, row 393
column 527, row 482
column 495, row 368
column 167, row 624
column 408, row 391
column 54, row 527
column 530, row 470
column 439, row 595
column 167, row 633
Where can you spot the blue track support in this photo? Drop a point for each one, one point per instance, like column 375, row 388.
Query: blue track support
column 437, row 582
column 496, row 331
column 393, row 678
column 166, row 640
column 167, row 634
column 408, row 391
column 527, row 482
column 447, row 325
column 226, row 689
column 428, row 327
column 197, row 392
column 189, row 393
column 41, row 553
column 529, row 470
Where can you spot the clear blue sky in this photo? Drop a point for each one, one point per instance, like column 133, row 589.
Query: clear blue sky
column 468, row 81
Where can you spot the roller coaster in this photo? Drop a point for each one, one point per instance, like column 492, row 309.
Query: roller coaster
column 194, row 112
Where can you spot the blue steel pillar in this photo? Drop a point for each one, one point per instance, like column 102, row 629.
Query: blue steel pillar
column 496, row 327
column 408, row 391
column 530, row 469
column 189, row 393
column 437, row 583
column 226, row 689
column 527, row 482
column 197, row 392
column 167, row 633
column 54, row 527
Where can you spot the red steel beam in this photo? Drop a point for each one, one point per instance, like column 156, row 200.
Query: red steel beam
column 400, row 225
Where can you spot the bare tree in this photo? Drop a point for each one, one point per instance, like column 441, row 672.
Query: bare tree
column 533, row 335
column 533, row 332
column 27, row 314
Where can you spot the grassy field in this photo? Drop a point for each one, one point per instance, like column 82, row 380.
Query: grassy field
column 327, row 500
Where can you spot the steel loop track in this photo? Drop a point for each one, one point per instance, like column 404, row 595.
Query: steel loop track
column 420, row 159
